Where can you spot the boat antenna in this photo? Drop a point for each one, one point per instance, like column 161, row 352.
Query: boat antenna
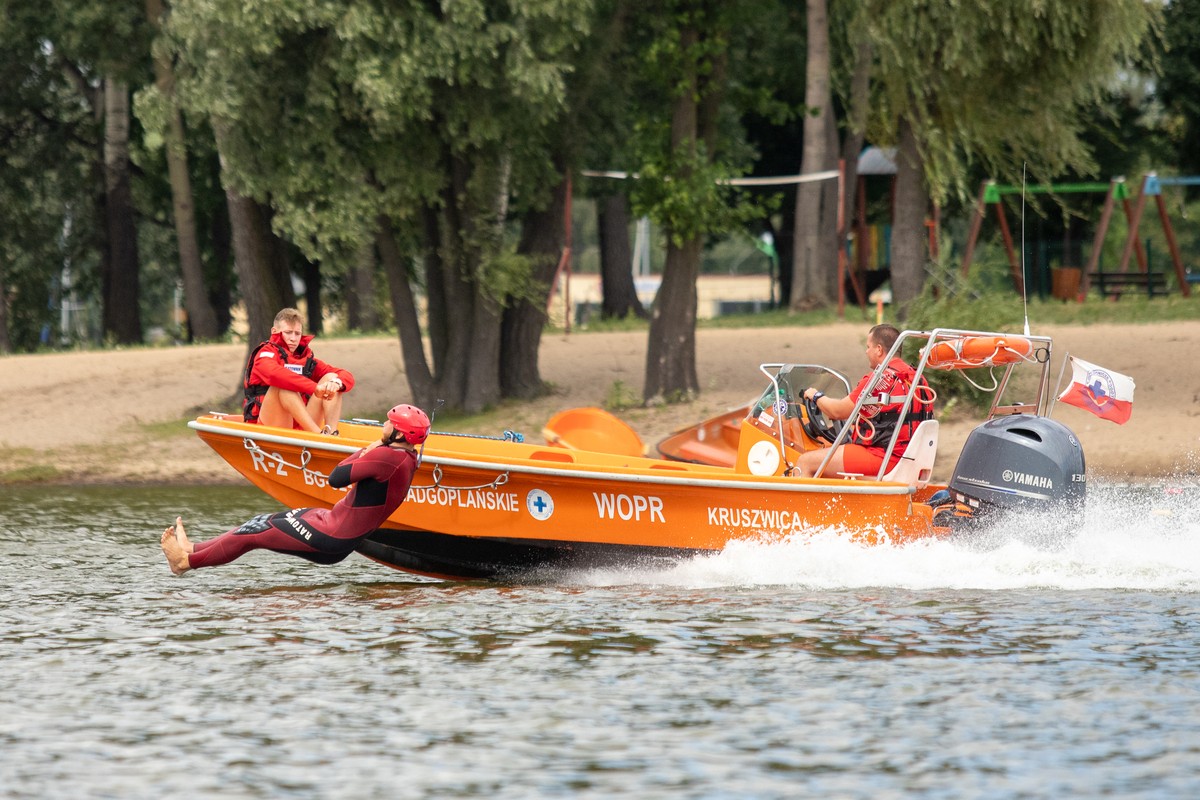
column 1024, row 284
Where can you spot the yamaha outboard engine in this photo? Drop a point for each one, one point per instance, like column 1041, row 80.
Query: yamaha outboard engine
column 1020, row 462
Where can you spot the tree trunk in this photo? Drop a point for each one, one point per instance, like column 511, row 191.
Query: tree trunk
column 619, row 295
column 361, row 314
column 785, row 247
column 220, row 282
column 408, row 324
column 310, row 273
column 280, row 255
column 828, row 240
column 122, row 293
column 860, row 98
column 254, row 254
column 908, row 231
column 437, row 306
column 5, row 341
column 464, row 323
column 524, row 319
column 445, row 250
column 671, row 352
column 202, row 320
column 482, row 386
column 475, row 333
column 811, row 274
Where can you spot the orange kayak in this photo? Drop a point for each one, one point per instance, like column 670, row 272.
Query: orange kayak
column 592, row 429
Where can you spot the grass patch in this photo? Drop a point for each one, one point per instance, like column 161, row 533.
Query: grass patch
column 630, row 322
column 34, row 473
column 498, row 417
column 966, row 310
column 1132, row 308
column 775, row 318
column 169, row 429
column 621, row 397
column 985, row 300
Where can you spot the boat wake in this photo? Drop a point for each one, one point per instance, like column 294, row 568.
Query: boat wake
column 1137, row 538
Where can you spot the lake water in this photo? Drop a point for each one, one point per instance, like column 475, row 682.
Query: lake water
column 1030, row 664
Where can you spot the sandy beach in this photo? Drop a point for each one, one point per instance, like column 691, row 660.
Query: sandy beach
column 121, row 416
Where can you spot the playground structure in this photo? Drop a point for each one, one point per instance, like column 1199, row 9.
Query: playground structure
column 864, row 261
column 1111, row 283
column 1152, row 186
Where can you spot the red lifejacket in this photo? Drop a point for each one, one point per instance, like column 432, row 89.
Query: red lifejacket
column 894, row 384
column 253, row 393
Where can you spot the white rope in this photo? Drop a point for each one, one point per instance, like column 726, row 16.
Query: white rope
column 995, row 381
column 778, row 180
column 495, row 483
column 986, row 361
column 306, row 456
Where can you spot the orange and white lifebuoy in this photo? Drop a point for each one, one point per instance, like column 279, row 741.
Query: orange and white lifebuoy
column 967, row 352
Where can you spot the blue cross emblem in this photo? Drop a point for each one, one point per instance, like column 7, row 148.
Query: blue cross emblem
column 540, row 504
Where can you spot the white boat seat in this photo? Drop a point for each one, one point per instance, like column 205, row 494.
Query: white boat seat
column 916, row 464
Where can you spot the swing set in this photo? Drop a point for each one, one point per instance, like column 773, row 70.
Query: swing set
column 1110, row 284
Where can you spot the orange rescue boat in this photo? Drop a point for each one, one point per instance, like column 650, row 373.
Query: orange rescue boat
column 497, row 507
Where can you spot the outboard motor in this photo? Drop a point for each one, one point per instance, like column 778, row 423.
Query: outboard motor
column 1020, row 462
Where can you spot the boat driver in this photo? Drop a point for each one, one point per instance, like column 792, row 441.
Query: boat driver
column 379, row 476
column 863, row 454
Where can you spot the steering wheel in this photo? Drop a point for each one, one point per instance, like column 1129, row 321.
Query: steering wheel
column 817, row 425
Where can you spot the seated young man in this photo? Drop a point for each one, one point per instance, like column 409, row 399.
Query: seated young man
column 286, row 386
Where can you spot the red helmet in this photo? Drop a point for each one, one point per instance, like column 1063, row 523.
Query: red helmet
column 410, row 422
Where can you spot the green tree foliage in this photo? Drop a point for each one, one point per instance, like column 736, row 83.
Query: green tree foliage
column 429, row 117
column 44, row 185
column 686, row 148
column 1179, row 86
column 440, row 124
column 340, row 110
column 989, row 85
column 999, row 84
column 67, row 166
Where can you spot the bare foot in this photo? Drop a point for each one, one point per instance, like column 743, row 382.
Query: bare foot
column 177, row 560
column 181, row 536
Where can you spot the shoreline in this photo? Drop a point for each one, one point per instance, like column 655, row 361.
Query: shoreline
column 119, row 418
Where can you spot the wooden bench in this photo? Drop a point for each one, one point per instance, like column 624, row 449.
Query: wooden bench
column 1112, row 284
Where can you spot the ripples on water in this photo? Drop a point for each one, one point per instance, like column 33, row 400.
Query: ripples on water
column 1027, row 663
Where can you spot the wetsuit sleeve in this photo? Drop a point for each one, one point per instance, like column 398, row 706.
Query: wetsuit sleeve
column 376, row 464
column 268, row 370
column 322, row 369
column 340, row 477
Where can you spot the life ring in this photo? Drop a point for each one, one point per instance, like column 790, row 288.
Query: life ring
column 967, row 352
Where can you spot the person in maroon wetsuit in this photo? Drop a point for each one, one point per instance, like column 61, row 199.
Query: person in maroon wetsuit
column 379, row 476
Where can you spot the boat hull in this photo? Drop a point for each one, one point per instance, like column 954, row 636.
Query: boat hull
column 482, row 507
column 491, row 558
